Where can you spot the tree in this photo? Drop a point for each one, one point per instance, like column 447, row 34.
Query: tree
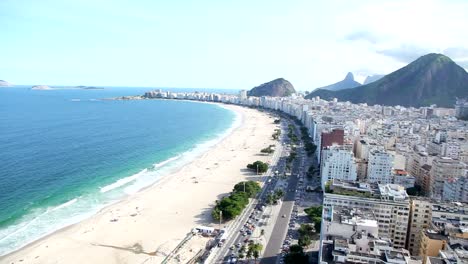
column 415, row 191
column 304, row 241
column 315, row 215
column 267, row 150
column 279, row 193
column 295, row 256
column 251, row 188
column 258, row 166
column 254, row 250
column 230, row 206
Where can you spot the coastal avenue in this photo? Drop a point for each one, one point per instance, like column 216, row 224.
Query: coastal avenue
column 222, row 255
column 281, row 217
column 273, row 247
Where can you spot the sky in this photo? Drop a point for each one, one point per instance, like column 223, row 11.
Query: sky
column 235, row 44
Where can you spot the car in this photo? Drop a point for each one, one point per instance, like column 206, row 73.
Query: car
column 231, row 247
column 238, row 245
column 284, row 216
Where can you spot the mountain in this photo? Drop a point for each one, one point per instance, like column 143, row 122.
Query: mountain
column 5, row 83
column 277, row 88
column 373, row 78
column 348, row 82
column 431, row 79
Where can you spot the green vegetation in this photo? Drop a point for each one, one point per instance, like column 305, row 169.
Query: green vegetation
column 309, row 146
column 415, row 191
column 311, row 171
column 258, row 166
column 292, row 135
column 232, row 205
column 315, row 215
column 276, row 88
column 251, row 188
column 291, row 157
column 273, row 198
column 254, row 250
column 277, row 134
column 296, row 255
column 270, row 149
column 347, row 192
column 306, row 232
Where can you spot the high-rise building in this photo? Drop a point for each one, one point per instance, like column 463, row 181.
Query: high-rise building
column 461, row 108
column 455, row 189
column 337, row 163
column 351, row 235
column 389, row 202
column 379, row 167
column 443, row 169
column 420, row 219
column 243, row 94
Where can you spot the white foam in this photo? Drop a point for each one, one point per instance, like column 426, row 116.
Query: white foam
column 65, row 204
column 43, row 222
column 122, row 181
column 160, row 164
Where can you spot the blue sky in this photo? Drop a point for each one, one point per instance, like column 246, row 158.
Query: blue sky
column 221, row 44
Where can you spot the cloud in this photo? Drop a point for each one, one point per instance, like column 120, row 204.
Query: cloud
column 364, row 36
column 463, row 63
column 456, row 52
column 405, row 53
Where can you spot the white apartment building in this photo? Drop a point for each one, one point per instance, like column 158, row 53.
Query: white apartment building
column 338, row 163
column 443, row 169
column 352, row 236
column 379, row 167
column 389, row 203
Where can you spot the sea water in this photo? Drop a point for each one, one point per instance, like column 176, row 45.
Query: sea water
column 65, row 154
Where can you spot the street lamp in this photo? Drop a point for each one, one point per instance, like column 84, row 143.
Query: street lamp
column 220, row 219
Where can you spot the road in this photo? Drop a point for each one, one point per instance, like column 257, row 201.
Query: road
column 229, row 249
column 275, row 243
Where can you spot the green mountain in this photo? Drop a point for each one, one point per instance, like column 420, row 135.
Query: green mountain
column 431, row 79
column 347, row 83
column 277, row 88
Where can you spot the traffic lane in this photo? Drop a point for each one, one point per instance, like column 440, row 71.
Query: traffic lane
column 281, row 225
column 239, row 238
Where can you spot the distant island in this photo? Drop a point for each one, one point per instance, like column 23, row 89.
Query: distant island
column 81, row 87
column 5, row 84
column 88, row 87
column 41, row 87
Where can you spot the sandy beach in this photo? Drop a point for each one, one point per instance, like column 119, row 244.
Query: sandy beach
column 146, row 226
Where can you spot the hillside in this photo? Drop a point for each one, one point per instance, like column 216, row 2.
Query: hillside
column 277, row 88
column 348, row 82
column 431, row 79
column 373, row 78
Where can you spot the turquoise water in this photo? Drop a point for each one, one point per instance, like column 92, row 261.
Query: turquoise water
column 65, row 154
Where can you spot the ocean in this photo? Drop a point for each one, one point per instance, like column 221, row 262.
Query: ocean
column 65, row 154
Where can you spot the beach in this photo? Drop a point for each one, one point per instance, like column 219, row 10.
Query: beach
column 146, row 226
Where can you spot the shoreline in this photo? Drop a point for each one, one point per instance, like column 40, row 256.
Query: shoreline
column 84, row 229
column 181, row 160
